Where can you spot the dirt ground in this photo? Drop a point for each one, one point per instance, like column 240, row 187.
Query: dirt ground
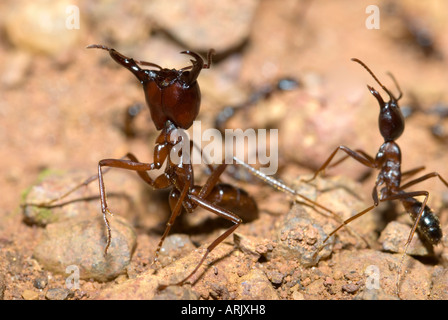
column 62, row 109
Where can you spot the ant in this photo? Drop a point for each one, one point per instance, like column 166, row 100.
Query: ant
column 173, row 97
column 283, row 84
column 388, row 162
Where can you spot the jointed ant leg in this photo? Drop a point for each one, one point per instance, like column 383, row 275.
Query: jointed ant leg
column 414, row 227
column 51, row 203
column 411, row 172
column 220, row 212
column 212, row 180
column 361, row 152
column 128, row 165
column 286, row 189
column 393, row 197
column 400, row 196
column 174, row 214
column 422, row 178
column 360, row 157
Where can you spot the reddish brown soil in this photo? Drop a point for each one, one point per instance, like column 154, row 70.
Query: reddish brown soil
column 62, row 106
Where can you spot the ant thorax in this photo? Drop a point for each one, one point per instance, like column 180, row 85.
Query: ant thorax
column 388, row 160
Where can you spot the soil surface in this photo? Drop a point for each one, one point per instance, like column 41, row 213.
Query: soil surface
column 63, row 108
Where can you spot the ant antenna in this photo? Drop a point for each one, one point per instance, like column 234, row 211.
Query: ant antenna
column 396, row 84
column 378, row 81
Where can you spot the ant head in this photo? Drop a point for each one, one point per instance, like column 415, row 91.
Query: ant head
column 390, row 120
column 172, row 95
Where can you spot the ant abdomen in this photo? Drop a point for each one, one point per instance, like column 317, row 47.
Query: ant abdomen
column 429, row 225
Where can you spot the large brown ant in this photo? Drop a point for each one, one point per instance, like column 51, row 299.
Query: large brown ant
column 388, row 162
column 173, row 97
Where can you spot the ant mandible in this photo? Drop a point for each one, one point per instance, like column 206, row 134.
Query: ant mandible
column 173, row 97
column 388, row 162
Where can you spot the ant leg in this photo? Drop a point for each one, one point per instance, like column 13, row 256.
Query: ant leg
column 207, row 161
column 400, row 196
column 360, row 157
column 422, row 178
column 359, row 214
column 286, row 189
column 367, row 156
column 212, row 180
column 220, row 212
column 345, row 223
column 141, row 168
column 276, row 184
column 174, row 214
column 51, row 203
column 376, row 200
column 412, row 171
column 403, row 196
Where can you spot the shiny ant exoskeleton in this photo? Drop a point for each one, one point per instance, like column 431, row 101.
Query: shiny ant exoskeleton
column 173, row 97
column 388, row 162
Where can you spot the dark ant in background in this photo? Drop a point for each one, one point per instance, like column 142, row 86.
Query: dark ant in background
column 173, row 97
column 130, row 114
column 439, row 110
column 413, row 31
column 262, row 93
column 388, row 162
column 438, row 130
column 283, row 84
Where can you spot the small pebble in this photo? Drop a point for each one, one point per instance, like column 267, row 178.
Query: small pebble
column 296, row 295
column 76, row 248
column 190, row 21
column 58, row 294
column 393, row 238
column 338, row 275
column 275, row 277
column 43, row 27
column 15, row 68
column 328, row 281
column 256, row 286
column 350, row 288
column 40, row 283
column 298, row 225
column 30, row 295
column 174, row 247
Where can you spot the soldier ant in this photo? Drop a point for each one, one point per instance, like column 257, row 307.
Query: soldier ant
column 388, row 162
column 173, row 97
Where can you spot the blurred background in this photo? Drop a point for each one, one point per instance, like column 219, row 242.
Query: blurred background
column 62, row 106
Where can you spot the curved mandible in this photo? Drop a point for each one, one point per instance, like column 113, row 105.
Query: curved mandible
column 128, row 63
column 197, row 64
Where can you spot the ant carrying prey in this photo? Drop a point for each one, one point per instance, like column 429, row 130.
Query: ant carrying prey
column 388, row 162
column 173, row 97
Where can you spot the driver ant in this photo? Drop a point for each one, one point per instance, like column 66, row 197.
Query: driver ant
column 388, row 162
column 173, row 97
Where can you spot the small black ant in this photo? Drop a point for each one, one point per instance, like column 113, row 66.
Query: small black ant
column 283, row 84
column 388, row 162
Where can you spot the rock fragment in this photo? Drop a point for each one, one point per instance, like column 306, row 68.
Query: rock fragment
column 78, row 246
